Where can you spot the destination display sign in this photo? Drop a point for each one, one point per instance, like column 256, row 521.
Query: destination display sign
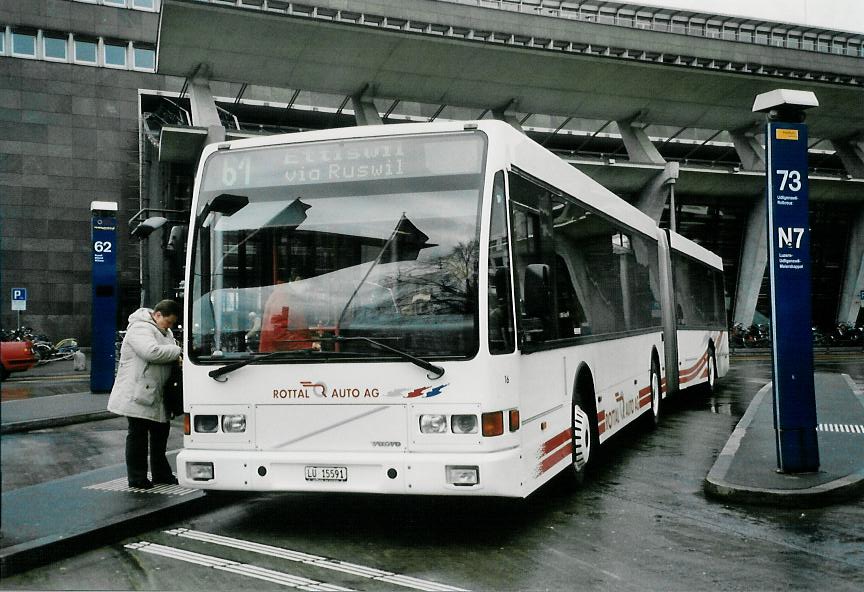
column 345, row 161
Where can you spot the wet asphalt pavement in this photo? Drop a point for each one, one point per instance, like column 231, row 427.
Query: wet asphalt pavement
column 641, row 523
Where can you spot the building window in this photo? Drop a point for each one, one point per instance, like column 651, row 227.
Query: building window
column 23, row 44
column 144, row 58
column 115, row 55
column 85, row 51
column 115, row 3
column 144, row 4
column 2, row 40
column 54, row 47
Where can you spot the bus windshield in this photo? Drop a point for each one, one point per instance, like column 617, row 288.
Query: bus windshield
column 374, row 238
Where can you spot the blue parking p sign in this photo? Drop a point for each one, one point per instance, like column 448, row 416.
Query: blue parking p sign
column 19, row 298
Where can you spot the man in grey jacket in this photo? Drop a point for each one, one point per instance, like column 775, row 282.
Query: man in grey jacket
column 146, row 356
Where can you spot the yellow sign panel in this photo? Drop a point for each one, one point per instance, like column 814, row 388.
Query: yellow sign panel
column 786, row 134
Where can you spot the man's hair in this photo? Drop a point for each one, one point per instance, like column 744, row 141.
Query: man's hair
column 168, row 308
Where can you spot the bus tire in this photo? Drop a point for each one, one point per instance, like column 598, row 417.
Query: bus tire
column 655, row 413
column 711, row 383
column 583, row 418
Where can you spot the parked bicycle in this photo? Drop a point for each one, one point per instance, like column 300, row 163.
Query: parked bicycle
column 62, row 350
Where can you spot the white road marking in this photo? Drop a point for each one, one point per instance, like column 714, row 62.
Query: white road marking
column 244, row 569
column 316, row 560
column 122, row 484
column 840, row 427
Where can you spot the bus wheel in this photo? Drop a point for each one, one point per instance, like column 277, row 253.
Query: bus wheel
column 585, row 436
column 656, row 393
column 581, row 439
column 712, row 372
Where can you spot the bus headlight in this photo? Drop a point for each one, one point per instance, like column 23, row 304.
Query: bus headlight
column 433, row 424
column 462, row 475
column 199, row 471
column 206, row 424
column 233, row 424
column 463, row 424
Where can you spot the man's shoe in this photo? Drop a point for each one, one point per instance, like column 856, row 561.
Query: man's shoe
column 168, row 480
column 141, row 484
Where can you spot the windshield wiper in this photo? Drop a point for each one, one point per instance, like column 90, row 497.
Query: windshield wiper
column 435, row 371
column 215, row 374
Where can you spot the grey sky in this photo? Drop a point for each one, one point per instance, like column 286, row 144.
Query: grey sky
column 842, row 15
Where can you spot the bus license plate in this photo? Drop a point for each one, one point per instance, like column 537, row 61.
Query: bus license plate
column 326, row 473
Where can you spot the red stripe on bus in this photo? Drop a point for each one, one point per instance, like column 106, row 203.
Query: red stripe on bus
column 555, row 442
column 693, row 371
column 695, row 367
column 601, row 416
column 601, row 428
column 552, row 460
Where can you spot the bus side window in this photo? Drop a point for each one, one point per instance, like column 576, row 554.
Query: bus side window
column 501, row 339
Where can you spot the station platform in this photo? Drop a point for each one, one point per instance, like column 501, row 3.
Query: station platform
column 58, row 518
column 746, row 469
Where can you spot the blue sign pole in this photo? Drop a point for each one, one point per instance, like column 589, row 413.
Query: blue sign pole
column 790, row 275
column 104, row 279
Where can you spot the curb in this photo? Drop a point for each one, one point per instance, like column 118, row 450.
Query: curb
column 52, row 422
column 716, row 486
column 32, row 554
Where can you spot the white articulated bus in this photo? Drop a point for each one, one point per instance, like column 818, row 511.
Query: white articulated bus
column 442, row 308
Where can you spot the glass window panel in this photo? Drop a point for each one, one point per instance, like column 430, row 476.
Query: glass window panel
column 145, row 58
column 23, row 44
column 699, row 295
column 2, row 39
column 372, row 238
column 145, row 4
column 592, row 275
column 55, row 47
column 115, row 55
column 115, row 2
column 85, row 51
column 501, row 339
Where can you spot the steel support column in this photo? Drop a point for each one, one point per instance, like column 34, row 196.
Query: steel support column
column 851, row 154
column 853, row 276
column 749, row 150
column 365, row 111
column 638, row 144
column 652, row 199
column 204, row 112
column 751, row 271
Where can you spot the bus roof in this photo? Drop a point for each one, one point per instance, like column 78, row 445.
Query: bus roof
column 688, row 247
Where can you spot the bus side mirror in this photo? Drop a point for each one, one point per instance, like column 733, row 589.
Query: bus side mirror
column 225, row 204
column 536, row 290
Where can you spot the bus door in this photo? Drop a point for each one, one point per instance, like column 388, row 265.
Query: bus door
column 546, row 311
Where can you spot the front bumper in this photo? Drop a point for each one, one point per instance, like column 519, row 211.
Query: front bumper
column 395, row 473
